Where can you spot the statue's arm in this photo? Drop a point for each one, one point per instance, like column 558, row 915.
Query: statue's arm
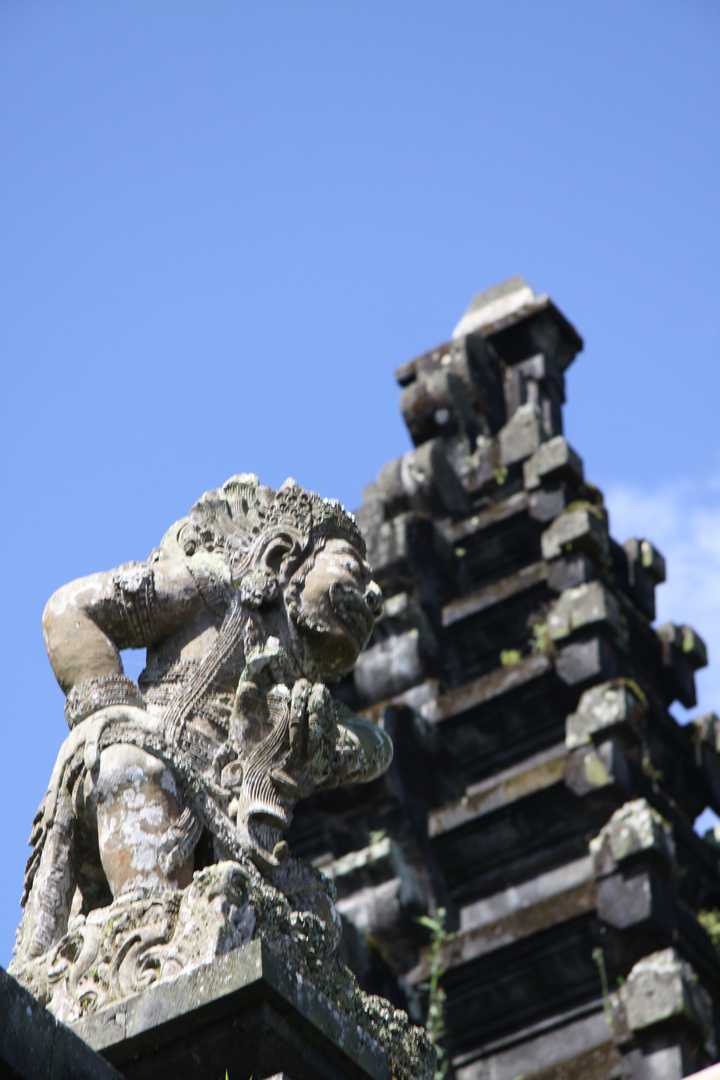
column 87, row 622
column 362, row 751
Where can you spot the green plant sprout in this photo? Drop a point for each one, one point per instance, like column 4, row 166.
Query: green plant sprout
column 435, row 1023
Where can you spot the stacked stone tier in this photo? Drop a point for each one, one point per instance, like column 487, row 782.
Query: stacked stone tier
column 541, row 792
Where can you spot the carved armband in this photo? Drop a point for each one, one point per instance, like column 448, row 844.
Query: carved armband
column 134, row 588
column 89, row 695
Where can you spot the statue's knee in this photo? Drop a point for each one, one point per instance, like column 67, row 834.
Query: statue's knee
column 127, row 767
column 136, row 802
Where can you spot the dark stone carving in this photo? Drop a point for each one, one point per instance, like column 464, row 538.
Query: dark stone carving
column 160, row 846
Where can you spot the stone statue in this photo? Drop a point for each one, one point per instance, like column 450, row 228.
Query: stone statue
column 159, row 843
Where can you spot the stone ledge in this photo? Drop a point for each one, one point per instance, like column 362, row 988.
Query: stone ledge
column 245, row 1008
column 36, row 1046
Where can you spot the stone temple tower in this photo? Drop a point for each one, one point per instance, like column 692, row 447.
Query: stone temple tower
column 541, row 791
column 525, row 877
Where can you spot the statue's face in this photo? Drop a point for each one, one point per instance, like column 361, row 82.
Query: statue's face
column 336, row 609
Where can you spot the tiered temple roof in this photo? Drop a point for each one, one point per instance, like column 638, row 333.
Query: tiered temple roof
column 541, row 791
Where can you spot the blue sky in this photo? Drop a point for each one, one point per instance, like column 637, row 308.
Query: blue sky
column 224, row 224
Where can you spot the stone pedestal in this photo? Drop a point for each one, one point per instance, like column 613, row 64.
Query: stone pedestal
column 36, row 1046
column 246, row 1014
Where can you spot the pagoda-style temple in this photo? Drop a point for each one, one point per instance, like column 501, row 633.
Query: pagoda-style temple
column 541, row 791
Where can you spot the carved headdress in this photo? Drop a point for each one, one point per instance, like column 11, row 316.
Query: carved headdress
column 243, row 516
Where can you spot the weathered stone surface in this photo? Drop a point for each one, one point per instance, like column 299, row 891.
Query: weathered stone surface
column 494, row 305
column 636, row 827
column 522, row 435
column 584, row 606
column 402, row 649
column 380, row 893
column 260, row 1003
column 579, row 1042
column 540, row 772
column 473, row 552
column 35, row 1046
column 583, row 527
column 569, row 571
column 422, row 480
column 707, row 730
column 495, row 593
column 553, row 458
column 159, row 847
column 664, row 986
column 591, row 768
column 646, row 555
column 601, row 709
column 593, row 658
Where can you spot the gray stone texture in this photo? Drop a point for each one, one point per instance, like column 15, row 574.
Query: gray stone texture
column 541, row 791
column 538, row 721
column 36, row 1046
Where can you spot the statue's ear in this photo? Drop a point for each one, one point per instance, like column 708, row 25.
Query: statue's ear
column 277, row 558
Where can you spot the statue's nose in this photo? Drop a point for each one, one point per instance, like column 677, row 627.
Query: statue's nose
column 373, row 598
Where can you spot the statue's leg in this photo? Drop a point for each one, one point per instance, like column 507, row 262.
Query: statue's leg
column 137, row 805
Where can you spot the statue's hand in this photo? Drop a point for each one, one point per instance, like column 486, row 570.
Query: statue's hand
column 313, row 724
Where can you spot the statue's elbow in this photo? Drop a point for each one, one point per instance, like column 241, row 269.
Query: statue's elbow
column 56, row 611
column 60, row 621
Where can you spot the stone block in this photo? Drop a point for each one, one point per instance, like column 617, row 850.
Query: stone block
column 666, row 1063
column 402, row 647
column 247, row 1002
column 663, row 987
column 521, row 436
column 453, row 389
column 380, row 893
column 582, row 527
column 424, row 481
column 642, row 553
column 624, row 902
column 554, row 458
column 390, row 667
column 582, row 661
column 683, row 652
column 636, row 828
column 495, row 305
column 497, row 592
column 591, row 768
column 536, row 381
column 706, row 729
column 450, row 706
column 35, row 1046
column 638, row 579
column 568, row 1053
column 694, row 648
column 585, row 605
column 601, row 709
column 545, row 504
column 537, row 327
column 687, row 641
column 390, row 551
column 706, row 738
column 538, row 773
column 570, row 571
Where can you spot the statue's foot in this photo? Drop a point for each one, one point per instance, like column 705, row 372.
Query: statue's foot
column 143, row 937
